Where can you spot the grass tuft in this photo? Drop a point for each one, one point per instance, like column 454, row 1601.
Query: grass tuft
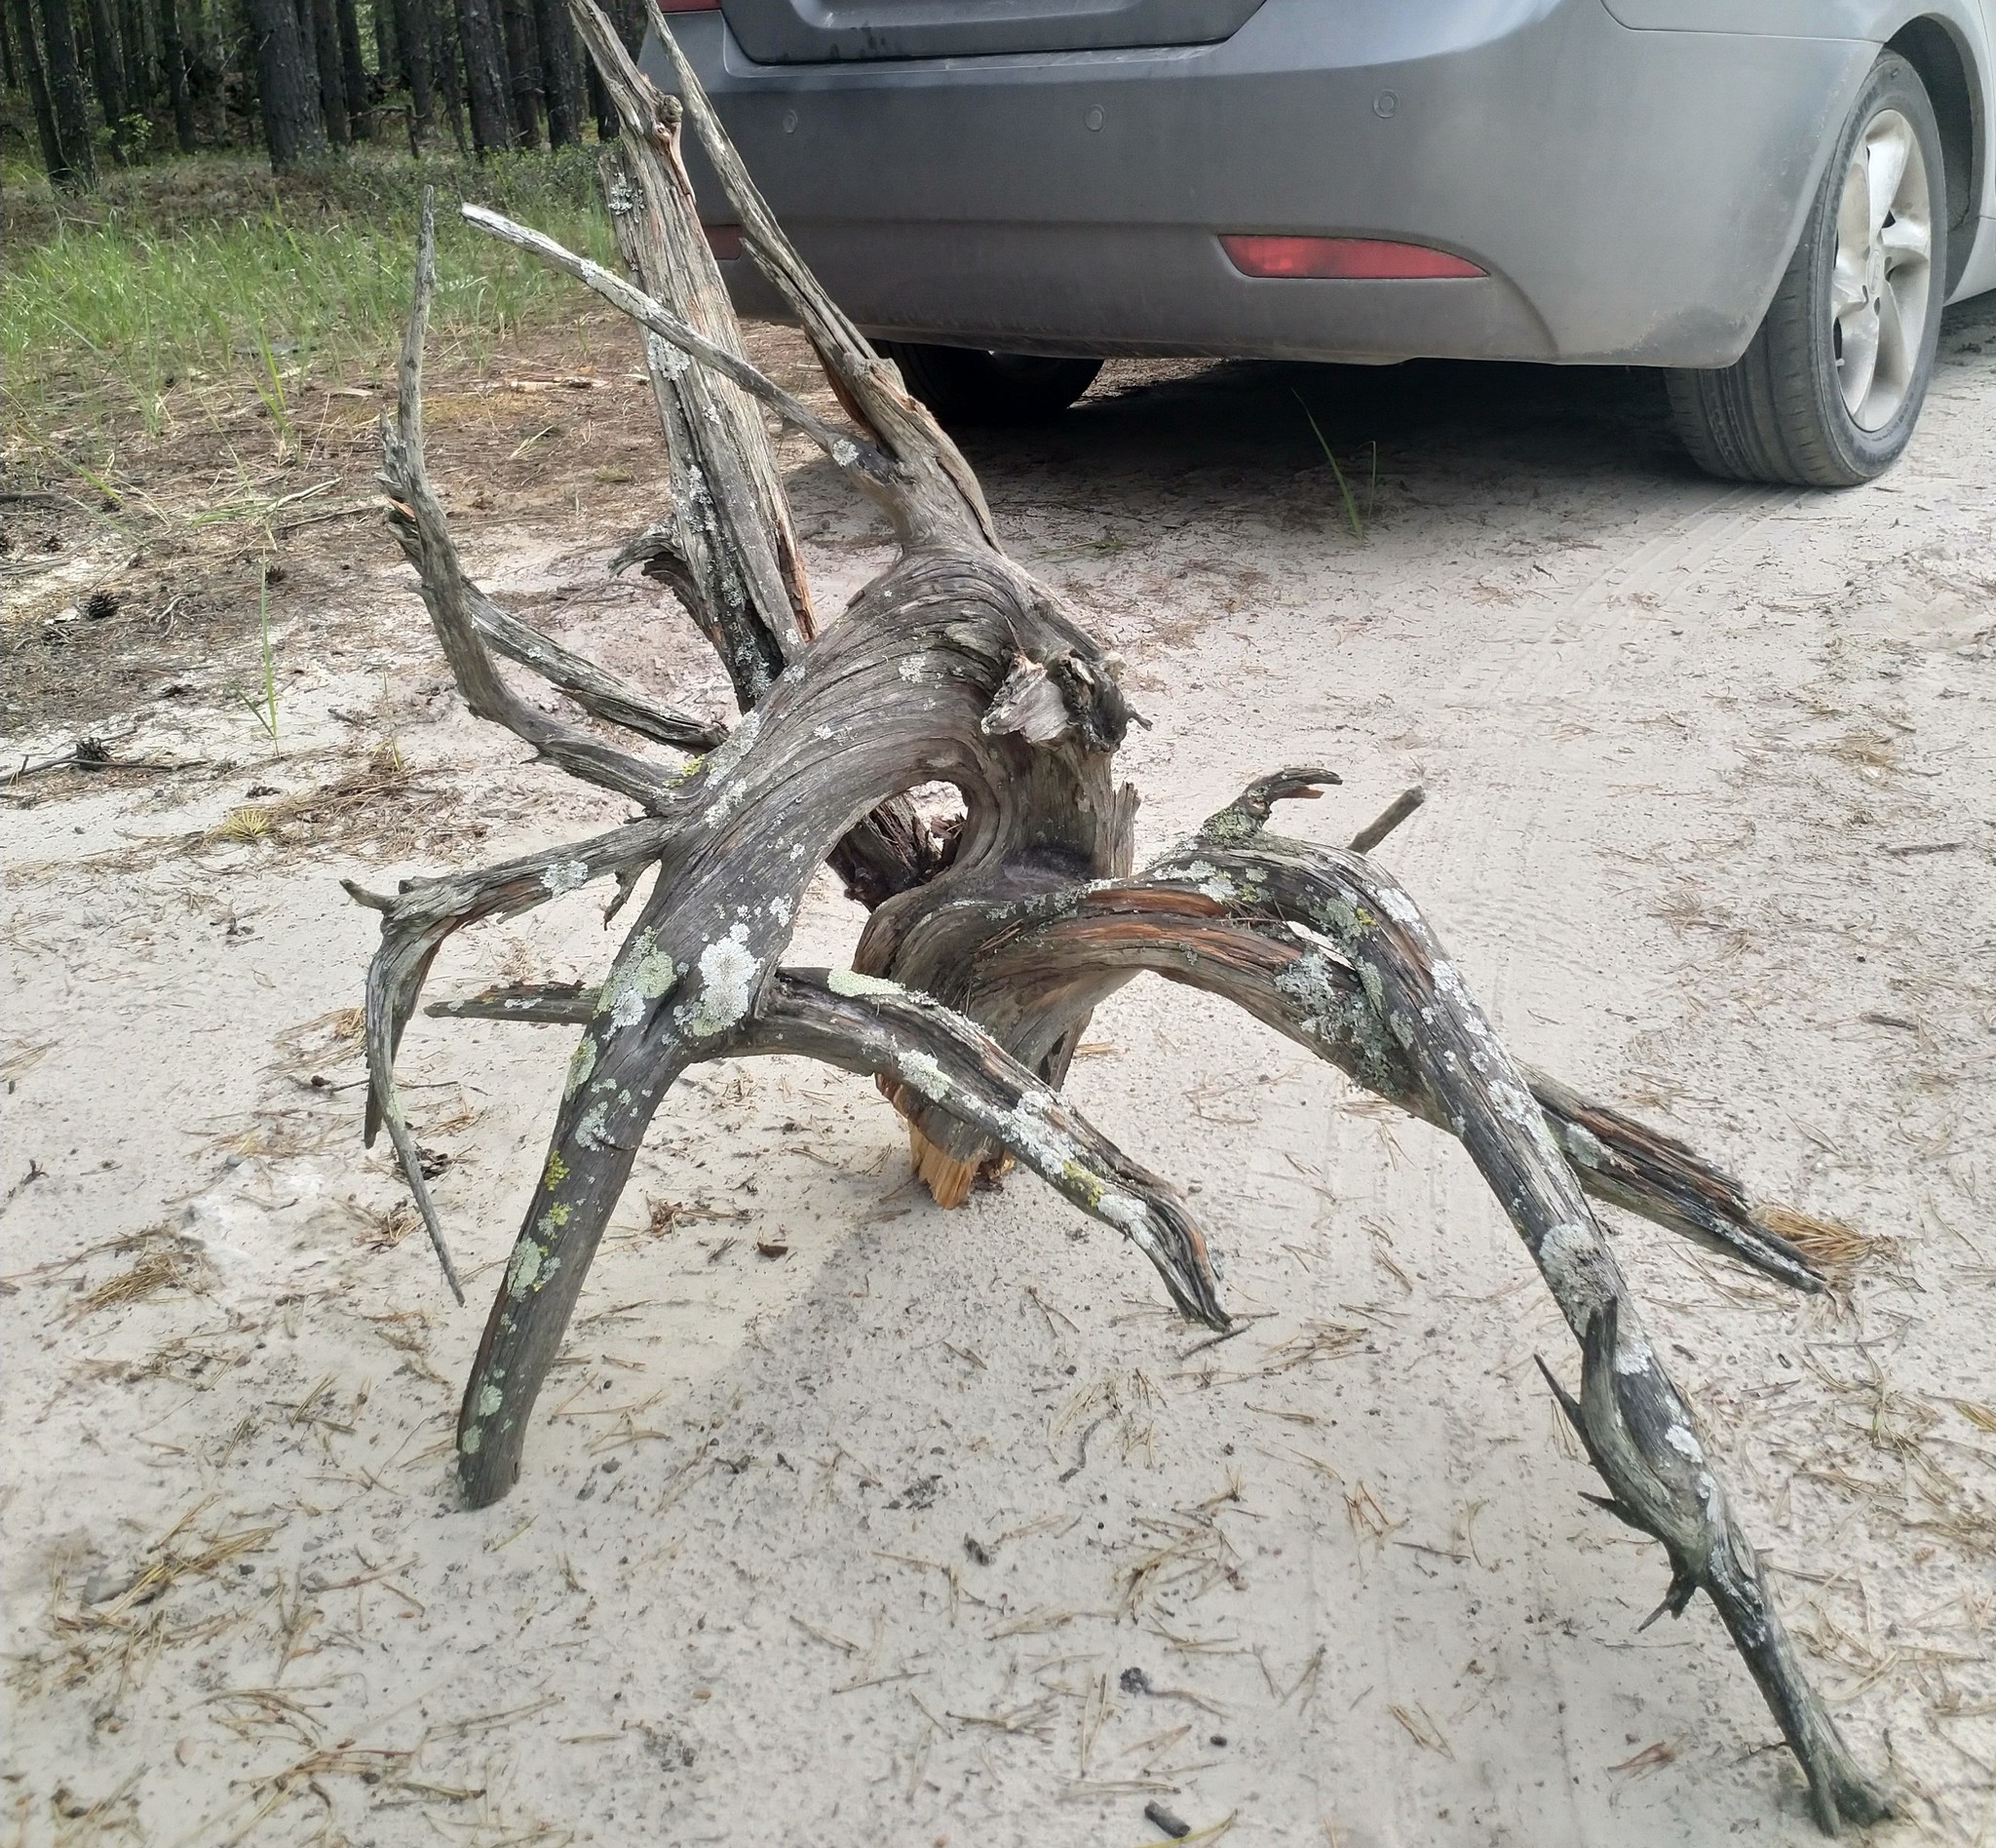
column 207, row 269
column 1344, row 488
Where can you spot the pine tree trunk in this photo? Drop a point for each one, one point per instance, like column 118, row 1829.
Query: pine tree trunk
column 484, row 76
column 132, row 36
column 412, row 19
column 216, row 47
column 387, row 43
column 65, row 95
column 558, row 72
column 324, row 24
column 175, row 58
column 352, row 71
column 523, row 72
column 10, row 65
column 133, row 54
column 22, row 14
column 107, row 67
column 287, row 86
column 446, row 65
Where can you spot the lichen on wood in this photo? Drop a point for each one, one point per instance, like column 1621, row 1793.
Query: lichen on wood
column 990, row 941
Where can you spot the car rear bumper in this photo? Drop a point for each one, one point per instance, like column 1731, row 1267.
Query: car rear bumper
column 1632, row 195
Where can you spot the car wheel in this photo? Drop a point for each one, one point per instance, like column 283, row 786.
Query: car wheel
column 964, row 385
column 1828, row 394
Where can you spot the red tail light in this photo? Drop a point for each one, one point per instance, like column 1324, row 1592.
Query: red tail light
column 1343, row 260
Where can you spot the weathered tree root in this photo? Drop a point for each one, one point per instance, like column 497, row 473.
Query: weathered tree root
column 989, row 946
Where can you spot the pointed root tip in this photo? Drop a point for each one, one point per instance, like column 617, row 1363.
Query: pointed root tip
column 360, row 895
column 1567, row 1403
column 1675, row 1600
column 437, row 1242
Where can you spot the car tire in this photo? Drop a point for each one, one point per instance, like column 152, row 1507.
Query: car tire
column 1830, row 390
column 964, row 385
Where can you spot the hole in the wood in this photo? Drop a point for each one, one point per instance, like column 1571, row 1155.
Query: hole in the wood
column 940, row 804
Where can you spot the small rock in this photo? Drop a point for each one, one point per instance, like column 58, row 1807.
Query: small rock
column 105, row 1584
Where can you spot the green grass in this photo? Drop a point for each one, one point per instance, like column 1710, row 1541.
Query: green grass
column 263, row 708
column 207, row 270
column 1344, row 488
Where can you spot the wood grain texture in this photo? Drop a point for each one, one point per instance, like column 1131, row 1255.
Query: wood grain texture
column 987, row 947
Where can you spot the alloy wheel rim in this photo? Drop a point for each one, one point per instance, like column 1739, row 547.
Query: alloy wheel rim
column 1883, row 270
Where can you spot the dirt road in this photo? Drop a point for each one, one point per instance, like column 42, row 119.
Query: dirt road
column 832, row 1532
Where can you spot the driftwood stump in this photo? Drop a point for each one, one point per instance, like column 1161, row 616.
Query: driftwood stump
column 989, row 943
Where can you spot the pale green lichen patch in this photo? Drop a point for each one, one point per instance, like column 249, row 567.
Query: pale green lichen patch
column 645, row 974
column 1633, row 1351
column 735, row 746
column 525, row 1272
column 490, row 1399
column 1376, row 988
column 1204, row 876
column 1516, row 1103
column 1027, row 1131
column 1449, row 984
column 727, row 984
column 924, row 1074
column 1338, row 1019
column 469, row 1443
column 1584, row 1145
column 1307, row 982
column 1342, row 921
column 580, row 1066
column 1399, row 906
column 851, row 983
column 1124, row 1212
column 1565, row 1253
column 1231, row 827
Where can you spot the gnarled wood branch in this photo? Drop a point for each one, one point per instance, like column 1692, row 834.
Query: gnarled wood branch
column 983, row 955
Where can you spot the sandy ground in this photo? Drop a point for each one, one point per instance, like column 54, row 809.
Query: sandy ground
column 857, row 1544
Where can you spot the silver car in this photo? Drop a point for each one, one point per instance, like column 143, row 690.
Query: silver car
column 1771, row 197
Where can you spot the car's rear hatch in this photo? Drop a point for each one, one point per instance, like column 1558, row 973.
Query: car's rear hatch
column 826, row 31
